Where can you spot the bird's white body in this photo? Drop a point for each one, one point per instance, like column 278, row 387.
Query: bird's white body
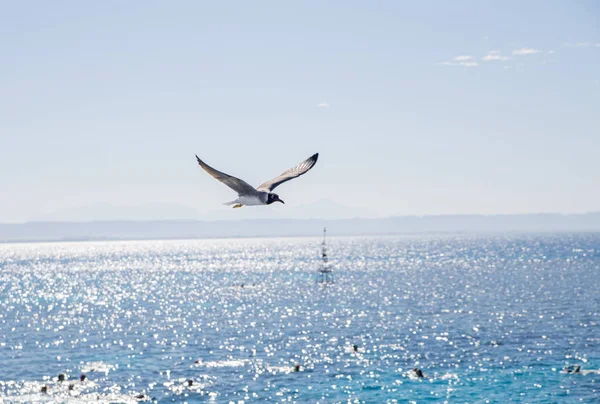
column 250, row 200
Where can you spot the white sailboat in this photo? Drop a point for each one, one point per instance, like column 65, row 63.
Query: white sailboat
column 325, row 271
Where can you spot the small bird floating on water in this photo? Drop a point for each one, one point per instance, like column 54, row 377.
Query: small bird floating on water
column 262, row 195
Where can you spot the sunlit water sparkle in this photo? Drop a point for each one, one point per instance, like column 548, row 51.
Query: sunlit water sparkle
column 487, row 319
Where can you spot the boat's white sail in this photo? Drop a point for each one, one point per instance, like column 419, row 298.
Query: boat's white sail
column 325, row 271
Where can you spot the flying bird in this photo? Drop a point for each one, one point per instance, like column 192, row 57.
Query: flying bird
column 261, row 195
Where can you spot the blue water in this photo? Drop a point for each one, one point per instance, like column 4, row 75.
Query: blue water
column 487, row 319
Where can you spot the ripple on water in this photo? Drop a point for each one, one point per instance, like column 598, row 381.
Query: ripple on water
column 491, row 317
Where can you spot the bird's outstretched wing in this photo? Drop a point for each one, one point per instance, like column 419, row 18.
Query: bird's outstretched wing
column 239, row 186
column 290, row 174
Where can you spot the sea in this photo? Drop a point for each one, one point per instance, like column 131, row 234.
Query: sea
column 488, row 318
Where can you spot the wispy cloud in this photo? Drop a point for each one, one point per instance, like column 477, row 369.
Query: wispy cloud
column 579, row 45
column 494, row 55
column 515, row 56
column 323, row 105
column 525, row 51
column 462, row 60
column 582, row 45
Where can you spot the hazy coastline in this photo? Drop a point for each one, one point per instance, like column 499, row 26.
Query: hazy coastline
column 181, row 229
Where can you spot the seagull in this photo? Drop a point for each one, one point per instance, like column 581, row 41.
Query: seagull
column 262, row 195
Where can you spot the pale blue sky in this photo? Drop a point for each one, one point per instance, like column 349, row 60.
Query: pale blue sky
column 109, row 101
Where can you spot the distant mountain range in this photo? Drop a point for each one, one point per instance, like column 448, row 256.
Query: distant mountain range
column 170, row 229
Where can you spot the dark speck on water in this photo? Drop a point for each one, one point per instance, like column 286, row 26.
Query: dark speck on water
column 487, row 318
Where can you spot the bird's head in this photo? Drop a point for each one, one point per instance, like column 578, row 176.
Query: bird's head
column 274, row 198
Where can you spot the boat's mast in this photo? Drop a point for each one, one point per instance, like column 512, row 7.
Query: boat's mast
column 324, row 252
column 325, row 275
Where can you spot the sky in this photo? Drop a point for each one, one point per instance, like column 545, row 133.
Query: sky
column 416, row 108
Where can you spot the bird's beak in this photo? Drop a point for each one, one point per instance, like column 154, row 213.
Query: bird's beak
column 281, row 201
